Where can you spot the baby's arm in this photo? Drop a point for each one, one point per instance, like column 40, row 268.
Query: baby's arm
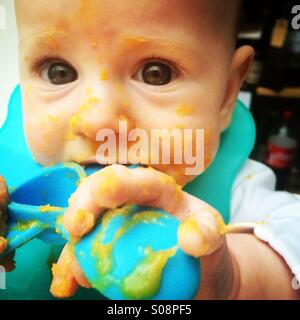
column 273, row 253
column 263, row 272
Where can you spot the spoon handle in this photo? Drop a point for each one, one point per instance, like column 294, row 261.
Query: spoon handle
column 27, row 223
column 20, row 233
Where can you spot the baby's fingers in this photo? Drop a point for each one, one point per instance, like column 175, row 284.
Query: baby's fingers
column 118, row 185
column 82, row 212
column 79, row 275
column 202, row 233
column 64, row 284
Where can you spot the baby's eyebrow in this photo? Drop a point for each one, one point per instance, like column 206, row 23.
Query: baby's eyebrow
column 54, row 40
column 50, row 39
column 179, row 44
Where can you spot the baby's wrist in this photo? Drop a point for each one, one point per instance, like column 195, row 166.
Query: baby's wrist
column 220, row 276
column 236, row 280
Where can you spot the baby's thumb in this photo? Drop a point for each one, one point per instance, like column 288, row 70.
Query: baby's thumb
column 202, row 233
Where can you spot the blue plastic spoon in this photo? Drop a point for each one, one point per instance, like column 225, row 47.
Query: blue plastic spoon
column 132, row 252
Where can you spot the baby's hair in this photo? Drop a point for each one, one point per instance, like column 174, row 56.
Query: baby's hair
column 228, row 15
column 238, row 20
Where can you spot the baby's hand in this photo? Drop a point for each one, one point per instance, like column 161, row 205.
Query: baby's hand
column 200, row 234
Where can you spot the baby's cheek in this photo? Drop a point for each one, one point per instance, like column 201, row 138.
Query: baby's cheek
column 211, row 144
column 45, row 137
column 198, row 148
column 79, row 150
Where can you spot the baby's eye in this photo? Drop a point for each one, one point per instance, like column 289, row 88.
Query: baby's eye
column 59, row 73
column 156, row 73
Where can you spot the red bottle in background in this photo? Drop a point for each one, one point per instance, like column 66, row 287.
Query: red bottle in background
column 281, row 151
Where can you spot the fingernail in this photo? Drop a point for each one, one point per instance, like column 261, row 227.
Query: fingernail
column 191, row 238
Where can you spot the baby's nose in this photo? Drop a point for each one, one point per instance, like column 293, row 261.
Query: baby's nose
column 103, row 109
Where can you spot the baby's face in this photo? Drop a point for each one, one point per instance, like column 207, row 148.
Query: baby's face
column 87, row 65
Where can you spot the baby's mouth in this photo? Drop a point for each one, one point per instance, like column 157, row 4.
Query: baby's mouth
column 94, row 167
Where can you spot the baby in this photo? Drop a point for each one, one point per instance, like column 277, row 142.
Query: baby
column 87, row 65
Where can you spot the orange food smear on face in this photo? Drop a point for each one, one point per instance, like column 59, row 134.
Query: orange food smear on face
column 85, row 14
column 52, row 118
column 180, row 127
column 74, row 122
column 77, row 122
column 183, row 110
column 103, row 76
column 131, row 43
column 122, row 117
column 119, row 87
column 207, row 135
column 94, row 43
column 51, row 38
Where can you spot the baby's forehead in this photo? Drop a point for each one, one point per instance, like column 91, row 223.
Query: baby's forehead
column 167, row 20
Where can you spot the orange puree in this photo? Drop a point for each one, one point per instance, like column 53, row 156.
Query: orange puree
column 103, row 75
column 48, row 208
column 62, row 283
column 183, row 111
column 110, row 181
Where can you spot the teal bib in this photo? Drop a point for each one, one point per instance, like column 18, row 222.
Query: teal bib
column 32, row 277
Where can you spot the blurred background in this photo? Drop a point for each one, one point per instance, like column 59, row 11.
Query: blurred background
column 273, row 86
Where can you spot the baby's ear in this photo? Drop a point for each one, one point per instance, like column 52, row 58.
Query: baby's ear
column 239, row 69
